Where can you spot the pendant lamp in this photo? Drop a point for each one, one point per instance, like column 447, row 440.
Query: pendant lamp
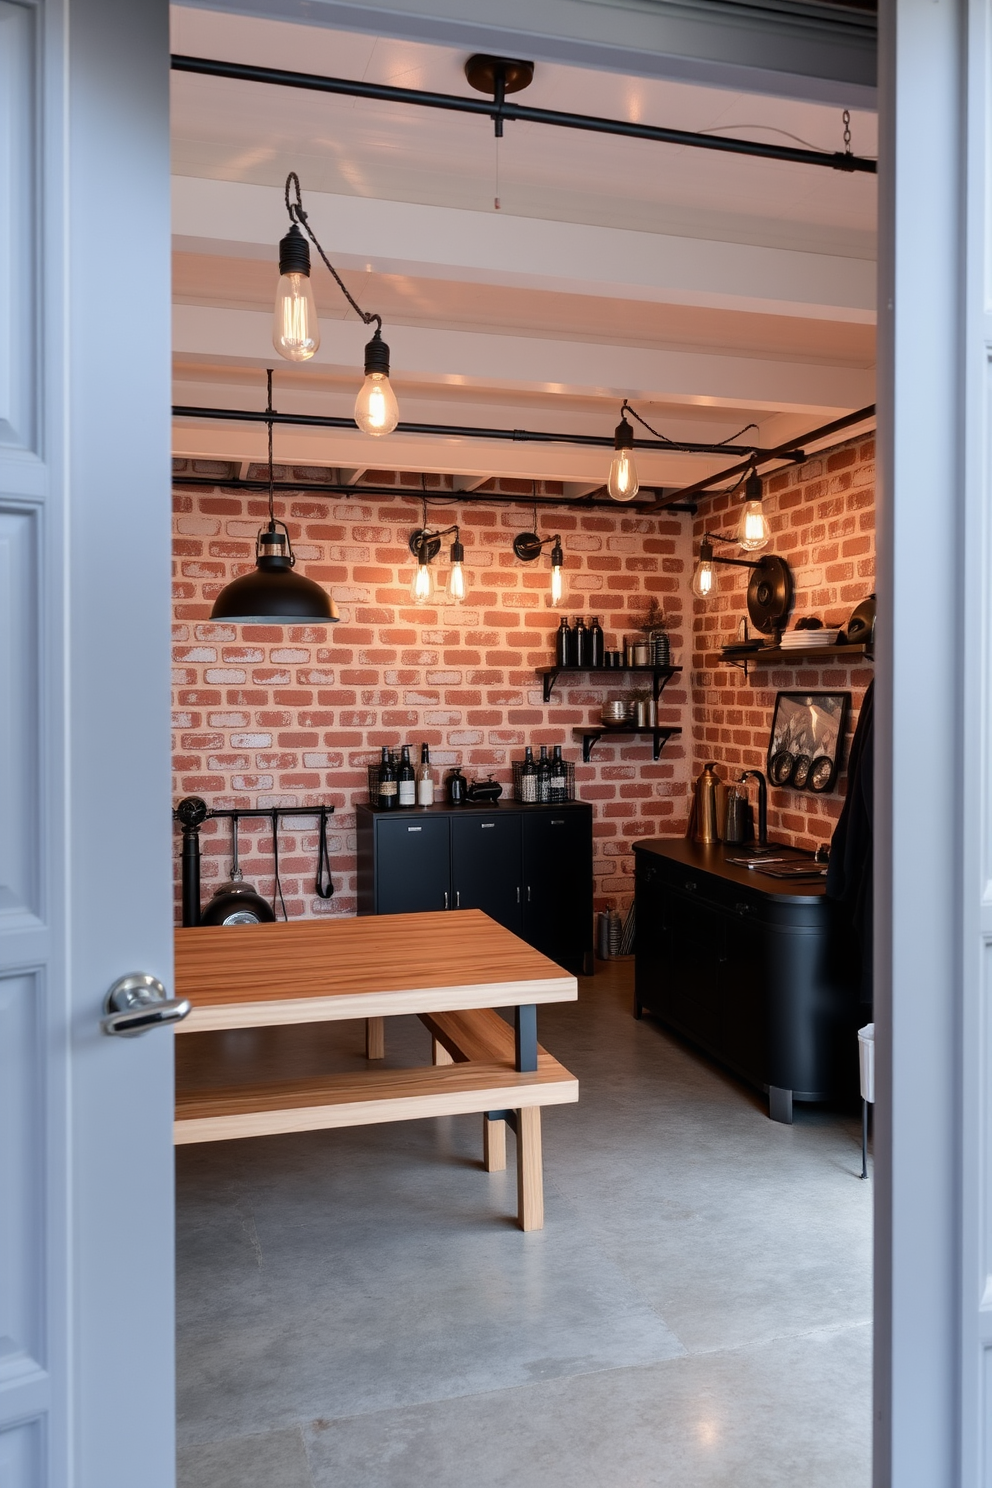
column 272, row 594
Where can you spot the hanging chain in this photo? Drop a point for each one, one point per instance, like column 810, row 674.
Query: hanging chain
column 297, row 214
column 847, row 131
column 268, row 409
column 673, row 443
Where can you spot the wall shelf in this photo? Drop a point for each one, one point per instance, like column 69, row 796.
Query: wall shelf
column 660, row 675
column 660, row 733
column 776, row 656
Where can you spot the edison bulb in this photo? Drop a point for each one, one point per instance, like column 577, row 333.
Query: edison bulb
column 376, row 409
column 422, row 588
column 557, row 584
column 703, row 580
column 295, row 330
column 622, row 484
column 753, row 533
column 456, row 583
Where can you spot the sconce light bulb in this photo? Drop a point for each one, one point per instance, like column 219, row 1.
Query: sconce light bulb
column 295, row 329
column 622, row 484
column 456, row 583
column 703, row 579
column 422, row 588
column 753, row 532
column 557, row 584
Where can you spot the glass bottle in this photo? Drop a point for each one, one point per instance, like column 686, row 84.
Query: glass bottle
column 425, row 778
column 406, row 780
column 528, row 777
column 559, row 781
column 563, row 642
column 596, row 643
column 544, row 775
column 387, row 781
column 580, row 643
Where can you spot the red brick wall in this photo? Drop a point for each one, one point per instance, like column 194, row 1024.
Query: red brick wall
column 822, row 516
column 265, row 716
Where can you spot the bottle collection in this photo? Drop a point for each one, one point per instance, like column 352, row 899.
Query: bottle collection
column 543, row 781
column 581, row 645
column 398, row 784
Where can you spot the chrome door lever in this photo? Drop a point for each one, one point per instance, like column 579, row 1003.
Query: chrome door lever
column 138, row 1002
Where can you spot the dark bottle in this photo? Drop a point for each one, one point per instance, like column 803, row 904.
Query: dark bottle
column 387, row 781
column 406, row 780
column 528, row 777
column 563, row 643
column 559, row 781
column 544, row 775
column 596, row 644
column 580, row 643
column 456, row 788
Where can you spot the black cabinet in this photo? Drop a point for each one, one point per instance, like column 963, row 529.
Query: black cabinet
column 529, row 867
column 757, row 972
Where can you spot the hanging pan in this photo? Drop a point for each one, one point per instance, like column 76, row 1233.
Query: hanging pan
column 236, row 902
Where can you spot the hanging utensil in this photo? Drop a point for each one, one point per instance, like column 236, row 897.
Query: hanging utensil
column 323, row 885
column 236, row 902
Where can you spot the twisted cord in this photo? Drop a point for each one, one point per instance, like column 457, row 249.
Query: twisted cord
column 673, row 443
column 297, row 214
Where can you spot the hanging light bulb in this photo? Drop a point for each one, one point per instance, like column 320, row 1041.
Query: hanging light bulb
column 423, row 586
column 622, row 484
column 557, row 578
column 295, row 329
column 753, row 532
column 704, row 579
column 376, row 409
column 456, row 579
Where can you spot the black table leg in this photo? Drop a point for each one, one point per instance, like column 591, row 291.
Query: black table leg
column 525, row 1036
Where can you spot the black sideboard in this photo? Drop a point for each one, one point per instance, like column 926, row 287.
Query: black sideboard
column 529, row 867
column 754, row 970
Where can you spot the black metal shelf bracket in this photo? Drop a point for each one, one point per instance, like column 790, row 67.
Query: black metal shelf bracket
column 659, row 736
column 661, row 676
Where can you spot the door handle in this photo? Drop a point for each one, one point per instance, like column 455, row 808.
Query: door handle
column 528, row 893
column 446, row 899
column 458, row 898
column 518, row 893
column 138, row 1002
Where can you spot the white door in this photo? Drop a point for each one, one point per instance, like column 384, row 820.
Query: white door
column 86, row 1175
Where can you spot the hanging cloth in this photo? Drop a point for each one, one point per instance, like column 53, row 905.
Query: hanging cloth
column 324, row 885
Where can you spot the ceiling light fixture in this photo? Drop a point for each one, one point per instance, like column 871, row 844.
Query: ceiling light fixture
column 753, row 532
column 528, row 546
column 623, row 484
column 272, row 594
column 296, row 332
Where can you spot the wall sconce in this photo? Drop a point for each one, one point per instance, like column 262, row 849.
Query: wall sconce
column 272, row 592
column 296, row 331
column 769, row 592
column 528, row 546
column 425, row 544
column 753, row 532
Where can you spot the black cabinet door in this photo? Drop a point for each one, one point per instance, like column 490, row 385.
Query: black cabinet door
column 557, row 859
column 412, row 866
column 485, row 865
column 691, row 991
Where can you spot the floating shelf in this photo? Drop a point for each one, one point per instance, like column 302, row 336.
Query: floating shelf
column 660, row 734
column 660, row 675
column 775, row 655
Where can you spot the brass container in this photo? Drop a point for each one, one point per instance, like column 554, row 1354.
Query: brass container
column 706, row 804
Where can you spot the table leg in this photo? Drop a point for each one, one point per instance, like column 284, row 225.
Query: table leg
column 439, row 1054
column 375, row 1038
column 493, row 1145
column 525, row 1036
column 530, row 1169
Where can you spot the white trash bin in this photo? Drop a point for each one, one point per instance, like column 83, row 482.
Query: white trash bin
column 866, row 1055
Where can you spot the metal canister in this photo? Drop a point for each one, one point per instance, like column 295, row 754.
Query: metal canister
column 706, row 816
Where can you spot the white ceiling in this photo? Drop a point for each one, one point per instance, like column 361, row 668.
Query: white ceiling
column 709, row 288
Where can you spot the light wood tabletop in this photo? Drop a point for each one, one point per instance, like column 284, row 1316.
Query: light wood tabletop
column 308, row 971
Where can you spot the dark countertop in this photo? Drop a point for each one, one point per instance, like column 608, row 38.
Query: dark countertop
column 505, row 803
column 712, row 858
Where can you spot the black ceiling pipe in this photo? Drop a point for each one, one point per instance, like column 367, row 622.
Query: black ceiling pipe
column 385, row 93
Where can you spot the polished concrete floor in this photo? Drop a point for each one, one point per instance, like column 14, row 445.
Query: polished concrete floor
column 358, row 1310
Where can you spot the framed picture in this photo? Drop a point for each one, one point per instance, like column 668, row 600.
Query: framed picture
column 805, row 751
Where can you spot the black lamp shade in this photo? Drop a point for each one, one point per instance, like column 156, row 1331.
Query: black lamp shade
column 274, row 595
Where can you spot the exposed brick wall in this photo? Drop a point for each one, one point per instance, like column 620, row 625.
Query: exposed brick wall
column 265, row 716
column 822, row 516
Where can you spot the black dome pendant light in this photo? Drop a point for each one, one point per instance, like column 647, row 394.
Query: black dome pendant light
column 272, row 594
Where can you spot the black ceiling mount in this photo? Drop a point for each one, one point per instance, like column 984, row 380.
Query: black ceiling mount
column 487, row 74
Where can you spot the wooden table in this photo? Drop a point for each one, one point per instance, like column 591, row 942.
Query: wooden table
column 450, row 968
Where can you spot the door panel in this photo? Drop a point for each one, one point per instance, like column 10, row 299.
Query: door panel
column 412, row 865
column 485, row 866
column 557, row 885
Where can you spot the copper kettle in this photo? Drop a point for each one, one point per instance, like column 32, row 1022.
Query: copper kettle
column 705, row 813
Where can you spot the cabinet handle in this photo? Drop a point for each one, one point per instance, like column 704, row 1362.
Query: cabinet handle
column 690, row 885
column 484, row 825
column 415, row 829
column 528, row 893
column 518, row 893
column 743, row 908
column 445, row 898
column 458, row 899
column 558, row 822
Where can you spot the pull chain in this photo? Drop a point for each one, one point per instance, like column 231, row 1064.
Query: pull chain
column 496, row 206
column 847, row 131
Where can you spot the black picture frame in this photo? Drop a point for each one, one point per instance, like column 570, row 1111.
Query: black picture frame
column 806, row 743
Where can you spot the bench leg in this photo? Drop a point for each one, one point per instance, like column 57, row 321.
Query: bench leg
column 375, row 1038
column 493, row 1145
column 439, row 1054
column 530, row 1170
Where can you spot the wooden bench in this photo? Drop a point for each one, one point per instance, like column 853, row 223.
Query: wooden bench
column 473, row 1072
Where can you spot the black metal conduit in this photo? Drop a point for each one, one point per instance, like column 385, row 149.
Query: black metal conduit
column 433, row 495
column 244, row 72
column 782, row 451
column 459, row 431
